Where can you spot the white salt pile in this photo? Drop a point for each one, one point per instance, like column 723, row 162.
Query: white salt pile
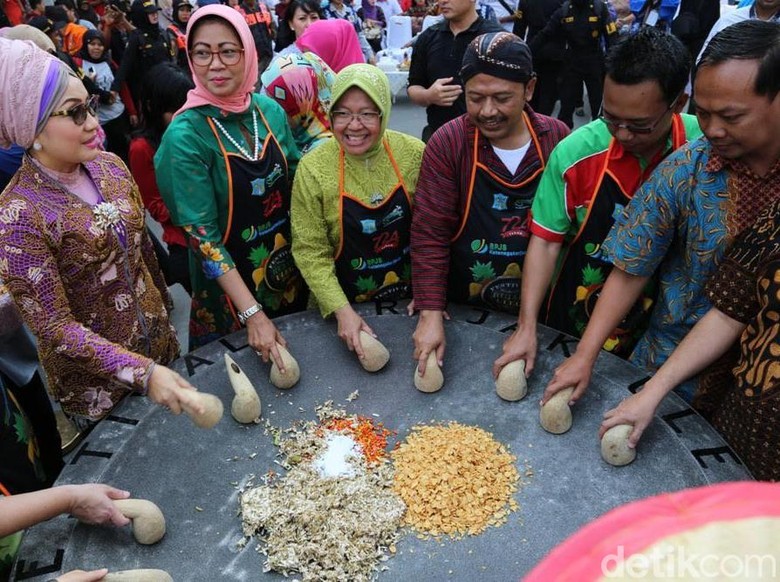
column 334, row 461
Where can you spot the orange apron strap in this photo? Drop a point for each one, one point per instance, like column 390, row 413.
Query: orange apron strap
column 602, row 173
column 471, row 189
column 341, row 204
column 535, row 139
column 271, row 135
column 229, row 179
column 678, row 132
column 542, row 161
column 397, row 172
column 230, row 305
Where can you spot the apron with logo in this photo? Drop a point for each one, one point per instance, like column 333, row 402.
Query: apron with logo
column 257, row 235
column 583, row 270
column 486, row 255
column 373, row 262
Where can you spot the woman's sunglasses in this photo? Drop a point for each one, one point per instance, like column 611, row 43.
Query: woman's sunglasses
column 78, row 113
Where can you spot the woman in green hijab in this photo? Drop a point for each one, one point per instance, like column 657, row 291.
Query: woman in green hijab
column 351, row 204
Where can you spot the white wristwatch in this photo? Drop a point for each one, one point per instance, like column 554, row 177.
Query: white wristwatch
column 244, row 315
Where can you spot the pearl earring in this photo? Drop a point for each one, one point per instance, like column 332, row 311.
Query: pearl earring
column 37, row 146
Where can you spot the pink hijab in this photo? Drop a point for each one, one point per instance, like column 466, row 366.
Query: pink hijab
column 334, row 41
column 240, row 100
column 25, row 72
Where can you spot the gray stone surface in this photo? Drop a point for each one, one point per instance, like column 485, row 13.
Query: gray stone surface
column 195, row 475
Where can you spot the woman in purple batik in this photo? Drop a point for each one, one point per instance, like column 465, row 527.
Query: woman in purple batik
column 74, row 252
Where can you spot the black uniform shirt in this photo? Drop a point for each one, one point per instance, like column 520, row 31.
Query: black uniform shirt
column 439, row 54
column 582, row 24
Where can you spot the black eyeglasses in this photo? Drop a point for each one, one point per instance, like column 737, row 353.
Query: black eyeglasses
column 78, row 113
column 228, row 56
column 613, row 126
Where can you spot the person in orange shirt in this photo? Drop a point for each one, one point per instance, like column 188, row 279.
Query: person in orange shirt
column 72, row 34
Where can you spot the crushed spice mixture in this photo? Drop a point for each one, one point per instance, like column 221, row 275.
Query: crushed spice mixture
column 451, row 479
column 324, row 528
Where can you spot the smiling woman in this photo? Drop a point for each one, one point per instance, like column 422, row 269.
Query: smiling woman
column 224, row 169
column 351, row 207
column 74, row 251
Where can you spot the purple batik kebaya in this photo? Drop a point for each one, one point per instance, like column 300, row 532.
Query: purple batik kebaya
column 87, row 283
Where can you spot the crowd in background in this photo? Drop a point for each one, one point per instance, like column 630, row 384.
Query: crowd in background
column 111, row 44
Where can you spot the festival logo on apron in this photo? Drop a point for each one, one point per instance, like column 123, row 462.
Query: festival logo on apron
column 496, row 271
column 584, row 270
column 373, row 262
column 593, row 275
column 258, row 233
column 486, row 256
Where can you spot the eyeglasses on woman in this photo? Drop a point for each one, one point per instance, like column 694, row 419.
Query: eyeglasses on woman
column 229, row 56
column 341, row 117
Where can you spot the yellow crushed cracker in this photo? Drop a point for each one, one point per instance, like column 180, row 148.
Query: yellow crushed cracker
column 456, row 480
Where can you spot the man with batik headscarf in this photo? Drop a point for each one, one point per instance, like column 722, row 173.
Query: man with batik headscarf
column 478, row 180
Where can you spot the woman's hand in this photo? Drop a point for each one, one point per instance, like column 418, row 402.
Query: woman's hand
column 93, row 503
column 350, row 326
column 167, row 388
column 263, row 337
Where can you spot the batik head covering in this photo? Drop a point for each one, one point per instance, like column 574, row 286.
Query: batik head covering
column 240, row 100
column 301, row 84
column 32, row 82
column 498, row 54
column 334, row 41
column 373, row 82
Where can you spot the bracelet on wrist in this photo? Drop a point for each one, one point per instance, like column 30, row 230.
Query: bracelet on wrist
column 246, row 314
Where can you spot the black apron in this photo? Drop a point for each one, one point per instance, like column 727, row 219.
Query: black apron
column 257, row 235
column 583, row 270
column 486, row 255
column 373, row 262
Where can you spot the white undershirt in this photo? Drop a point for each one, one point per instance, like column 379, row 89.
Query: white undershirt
column 512, row 158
